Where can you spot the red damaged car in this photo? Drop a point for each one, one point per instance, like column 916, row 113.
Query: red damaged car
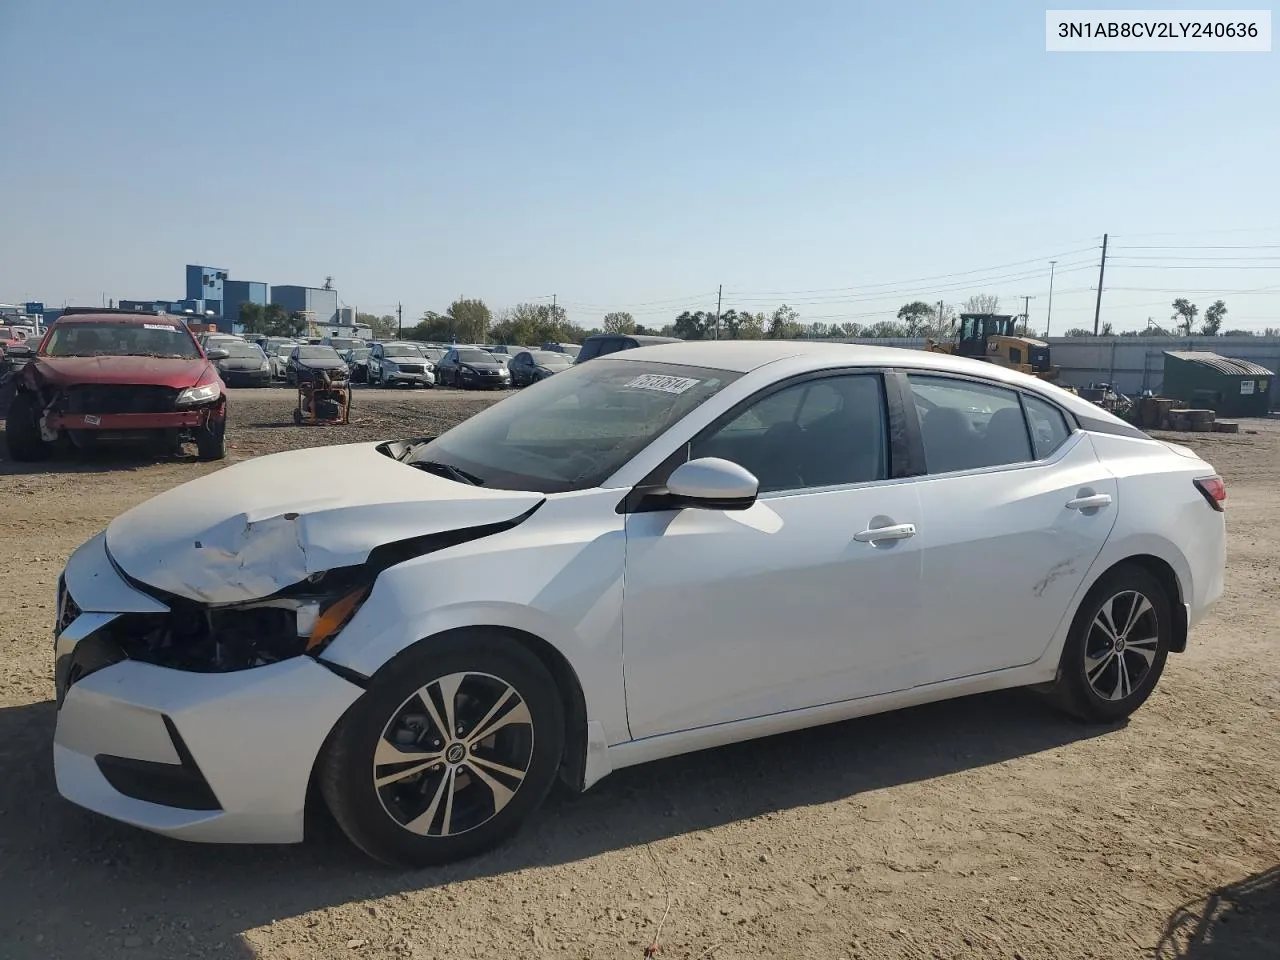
column 117, row 375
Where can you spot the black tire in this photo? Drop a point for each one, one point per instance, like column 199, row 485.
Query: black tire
column 346, row 766
column 1118, row 592
column 211, row 440
column 22, row 430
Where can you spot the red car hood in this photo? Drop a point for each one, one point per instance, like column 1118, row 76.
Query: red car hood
column 153, row 371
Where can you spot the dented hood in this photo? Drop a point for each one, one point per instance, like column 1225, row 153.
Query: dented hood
column 257, row 527
column 173, row 372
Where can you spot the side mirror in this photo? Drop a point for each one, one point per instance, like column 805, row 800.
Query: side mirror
column 216, row 355
column 710, row 483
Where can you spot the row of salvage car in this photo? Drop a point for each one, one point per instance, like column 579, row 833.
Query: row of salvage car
column 101, row 375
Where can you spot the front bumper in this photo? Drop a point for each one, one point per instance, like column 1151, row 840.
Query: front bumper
column 252, row 378
column 218, row 757
column 483, row 382
column 426, row 379
column 177, row 420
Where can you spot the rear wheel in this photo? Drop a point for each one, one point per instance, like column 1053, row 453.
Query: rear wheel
column 452, row 746
column 22, row 430
column 1117, row 648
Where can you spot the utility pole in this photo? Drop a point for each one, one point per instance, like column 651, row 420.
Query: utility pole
column 941, row 332
column 553, row 308
column 399, row 321
column 1102, row 269
column 1049, row 319
column 1026, row 313
column 719, row 294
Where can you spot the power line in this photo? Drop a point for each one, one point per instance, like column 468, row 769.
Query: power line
column 918, row 280
column 1246, row 246
column 1199, row 266
column 868, row 294
column 1125, row 256
column 1197, row 233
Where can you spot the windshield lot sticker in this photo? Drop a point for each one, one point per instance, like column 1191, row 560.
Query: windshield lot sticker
column 159, row 326
column 651, row 381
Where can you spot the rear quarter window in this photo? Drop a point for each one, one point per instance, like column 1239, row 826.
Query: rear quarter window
column 1049, row 429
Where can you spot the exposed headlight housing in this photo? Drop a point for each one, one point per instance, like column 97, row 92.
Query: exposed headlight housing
column 222, row 639
column 265, row 365
column 201, row 393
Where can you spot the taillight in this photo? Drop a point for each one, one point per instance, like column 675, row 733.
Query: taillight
column 1214, row 490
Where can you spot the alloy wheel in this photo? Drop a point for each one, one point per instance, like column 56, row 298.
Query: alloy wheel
column 453, row 754
column 1121, row 645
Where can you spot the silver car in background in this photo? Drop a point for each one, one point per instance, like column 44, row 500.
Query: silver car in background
column 400, row 362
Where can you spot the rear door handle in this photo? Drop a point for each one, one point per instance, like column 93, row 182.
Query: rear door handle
column 899, row 531
column 1090, row 503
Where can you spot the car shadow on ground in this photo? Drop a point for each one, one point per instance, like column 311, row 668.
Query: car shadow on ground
column 105, row 459
column 78, row 880
column 1240, row 921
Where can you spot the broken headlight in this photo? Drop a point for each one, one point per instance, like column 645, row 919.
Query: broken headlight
column 302, row 620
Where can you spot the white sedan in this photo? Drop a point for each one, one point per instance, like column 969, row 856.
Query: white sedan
column 660, row 551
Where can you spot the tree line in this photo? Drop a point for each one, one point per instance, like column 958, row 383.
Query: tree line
column 1183, row 324
column 470, row 320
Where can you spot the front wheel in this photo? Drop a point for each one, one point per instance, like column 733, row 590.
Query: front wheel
column 1117, row 647
column 211, row 440
column 22, row 430
column 453, row 745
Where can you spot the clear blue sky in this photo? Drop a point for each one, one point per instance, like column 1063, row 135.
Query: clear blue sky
column 629, row 155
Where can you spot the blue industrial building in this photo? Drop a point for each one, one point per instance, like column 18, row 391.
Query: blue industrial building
column 213, row 297
column 206, row 283
column 319, row 305
column 239, row 292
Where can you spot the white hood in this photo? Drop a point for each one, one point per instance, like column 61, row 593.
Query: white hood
column 254, row 528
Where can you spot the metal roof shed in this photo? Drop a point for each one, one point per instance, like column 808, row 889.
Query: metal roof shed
column 1229, row 387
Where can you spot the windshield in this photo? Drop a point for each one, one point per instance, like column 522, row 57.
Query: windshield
column 344, row 343
column 474, row 356
column 99, row 339
column 241, row 351
column 576, row 429
column 402, row 350
column 359, row 354
column 549, row 358
column 318, row 353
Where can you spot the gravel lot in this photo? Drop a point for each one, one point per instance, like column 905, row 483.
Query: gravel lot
column 986, row 827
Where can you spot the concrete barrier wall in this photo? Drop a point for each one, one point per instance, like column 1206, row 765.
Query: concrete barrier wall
column 1131, row 364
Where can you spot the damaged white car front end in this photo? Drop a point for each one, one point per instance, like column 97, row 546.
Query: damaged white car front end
column 192, row 700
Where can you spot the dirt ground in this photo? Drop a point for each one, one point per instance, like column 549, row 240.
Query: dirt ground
column 985, row 827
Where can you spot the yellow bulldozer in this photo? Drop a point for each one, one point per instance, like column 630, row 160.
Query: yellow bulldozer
column 993, row 337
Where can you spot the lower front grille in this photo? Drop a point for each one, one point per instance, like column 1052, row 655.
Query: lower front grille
column 411, row 368
column 120, row 398
column 180, row 785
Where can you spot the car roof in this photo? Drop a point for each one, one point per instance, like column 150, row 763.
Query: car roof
column 798, row 357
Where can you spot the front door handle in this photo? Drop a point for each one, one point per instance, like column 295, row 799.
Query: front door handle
column 1090, row 503
column 899, row 531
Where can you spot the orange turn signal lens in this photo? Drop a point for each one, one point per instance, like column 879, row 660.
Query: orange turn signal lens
column 334, row 616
